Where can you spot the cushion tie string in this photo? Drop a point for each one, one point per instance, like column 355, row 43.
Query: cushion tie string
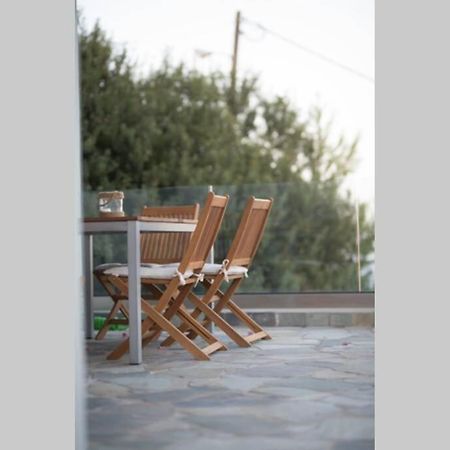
column 200, row 277
column 181, row 278
column 224, row 270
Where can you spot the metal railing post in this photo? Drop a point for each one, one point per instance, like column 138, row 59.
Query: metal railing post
column 358, row 249
column 210, row 260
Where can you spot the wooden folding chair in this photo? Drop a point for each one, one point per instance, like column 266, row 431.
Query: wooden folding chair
column 174, row 283
column 233, row 269
column 156, row 248
column 165, row 248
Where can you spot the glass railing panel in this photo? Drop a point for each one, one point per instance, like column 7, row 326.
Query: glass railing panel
column 310, row 243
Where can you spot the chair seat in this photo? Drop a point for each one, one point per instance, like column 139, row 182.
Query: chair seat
column 214, row 269
column 162, row 272
column 104, row 267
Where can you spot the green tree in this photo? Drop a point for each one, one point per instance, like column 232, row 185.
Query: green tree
column 174, row 127
column 112, row 126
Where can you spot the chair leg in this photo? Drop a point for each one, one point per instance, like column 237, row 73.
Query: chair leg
column 124, row 311
column 183, row 328
column 213, row 316
column 155, row 316
column 189, row 322
column 234, row 285
column 195, row 350
column 153, row 335
column 197, row 311
column 167, row 326
column 113, row 282
column 118, row 305
column 225, row 300
column 201, row 330
column 105, row 328
column 258, row 331
column 176, row 302
column 122, row 286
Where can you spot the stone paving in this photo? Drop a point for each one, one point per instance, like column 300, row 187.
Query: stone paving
column 306, row 389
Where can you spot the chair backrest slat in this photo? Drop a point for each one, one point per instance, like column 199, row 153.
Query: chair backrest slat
column 205, row 233
column 164, row 248
column 250, row 231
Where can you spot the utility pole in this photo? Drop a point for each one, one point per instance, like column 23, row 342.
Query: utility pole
column 234, row 61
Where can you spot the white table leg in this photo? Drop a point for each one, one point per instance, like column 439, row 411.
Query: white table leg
column 134, row 291
column 88, row 286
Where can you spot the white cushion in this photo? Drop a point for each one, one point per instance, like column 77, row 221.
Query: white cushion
column 162, row 272
column 107, row 266
column 214, row 269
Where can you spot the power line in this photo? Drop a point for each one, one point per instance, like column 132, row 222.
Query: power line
column 310, row 51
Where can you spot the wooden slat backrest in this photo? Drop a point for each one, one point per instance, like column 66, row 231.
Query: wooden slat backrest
column 250, row 231
column 164, row 248
column 205, row 233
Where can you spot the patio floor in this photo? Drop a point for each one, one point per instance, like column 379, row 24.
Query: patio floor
column 307, row 388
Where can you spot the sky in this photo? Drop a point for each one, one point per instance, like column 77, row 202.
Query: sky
column 342, row 30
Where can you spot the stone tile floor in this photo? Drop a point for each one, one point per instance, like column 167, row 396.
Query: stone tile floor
column 307, row 388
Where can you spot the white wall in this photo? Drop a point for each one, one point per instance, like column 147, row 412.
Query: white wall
column 41, row 356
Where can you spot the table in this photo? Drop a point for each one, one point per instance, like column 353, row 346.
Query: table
column 133, row 226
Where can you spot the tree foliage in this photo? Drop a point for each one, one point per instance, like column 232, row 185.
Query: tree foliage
column 175, row 127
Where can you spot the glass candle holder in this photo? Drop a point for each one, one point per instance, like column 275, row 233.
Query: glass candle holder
column 110, row 204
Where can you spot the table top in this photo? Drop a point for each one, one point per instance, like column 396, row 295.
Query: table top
column 138, row 218
column 94, row 225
